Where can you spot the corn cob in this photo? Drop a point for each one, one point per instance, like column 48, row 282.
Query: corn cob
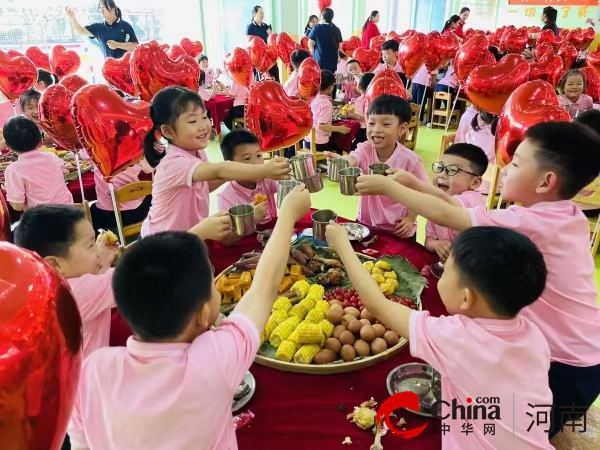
column 308, row 303
column 283, row 330
column 314, row 316
column 306, row 354
column 383, row 265
column 316, row 292
column 279, row 315
column 298, row 311
column 390, row 275
column 310, row 333
column 322, row 305
column 300, row 288
column 282, row 303
column 286, row 351
column 326, row 327
column 294, row 336
column 269, row 327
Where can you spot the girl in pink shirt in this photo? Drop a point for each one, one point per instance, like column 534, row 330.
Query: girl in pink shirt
column 210, row 74
column 291, row 85
column 349, row 80
column 481, row 134
column 421, row 86
column 573, row 86
column 239, row 94
column 184, row 177
column 449, row 83
column 465, row 124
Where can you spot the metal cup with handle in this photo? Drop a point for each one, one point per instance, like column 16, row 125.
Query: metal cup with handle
column 284, row 187
column 379, row 169
column 320, row 220
column 348, row 179
column 242, row 220
column 303, row 166
column 334, row 165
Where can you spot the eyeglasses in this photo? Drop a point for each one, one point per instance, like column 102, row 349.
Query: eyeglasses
column 439, row 167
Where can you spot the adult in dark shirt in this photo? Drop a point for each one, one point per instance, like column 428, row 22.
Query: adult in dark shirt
column 549, row 15
column 260, row 29
column 325, row 40
column 115, row 36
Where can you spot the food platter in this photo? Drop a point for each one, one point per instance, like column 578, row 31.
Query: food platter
column 356, row 231
column 243, row 400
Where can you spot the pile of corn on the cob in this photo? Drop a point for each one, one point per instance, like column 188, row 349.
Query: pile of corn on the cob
column 382, row 272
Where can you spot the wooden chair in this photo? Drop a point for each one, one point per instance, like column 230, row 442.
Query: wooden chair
column 447, row 141
column 443, row 116
column 589, row 199
column 410, row 139
column 131, row 191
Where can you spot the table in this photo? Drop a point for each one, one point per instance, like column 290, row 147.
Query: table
column 89, row 187
column 344, row 141
column 219, row 108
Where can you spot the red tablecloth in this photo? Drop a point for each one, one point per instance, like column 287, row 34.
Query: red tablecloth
column 89, row 187
column 344, row 141
column 219, row 107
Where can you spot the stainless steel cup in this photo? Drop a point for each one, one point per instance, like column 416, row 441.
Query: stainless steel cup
column 242, row 219
column 314, row 184
column 320, row 219
column 378, row 169
column 303, row 166
column 334, row 165
column 348, row 178
column 284, row 187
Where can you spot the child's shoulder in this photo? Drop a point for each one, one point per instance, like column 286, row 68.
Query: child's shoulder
column 470, row 199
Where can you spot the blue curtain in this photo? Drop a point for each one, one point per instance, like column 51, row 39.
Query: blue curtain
column 430, row 15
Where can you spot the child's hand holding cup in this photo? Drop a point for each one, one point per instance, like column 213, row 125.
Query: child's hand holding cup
column 296, row 204
column 336, row 235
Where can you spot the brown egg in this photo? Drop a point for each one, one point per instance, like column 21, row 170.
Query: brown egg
column 333, row 344
column 334, row 316
column 347, row 338
column 336, row 302
column 365, row 322
column 391, row 338
column 365, row 314
column 367, row 333
column 355, row 326
column 338, row 330
column 378, row 346
column 362, row 348
column 379, row 330
column 348, row 353
column 347, row 318
column 325, row 356
column 353, row 311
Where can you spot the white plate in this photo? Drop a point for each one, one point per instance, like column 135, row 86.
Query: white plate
column 240, row 403
column 356, row 231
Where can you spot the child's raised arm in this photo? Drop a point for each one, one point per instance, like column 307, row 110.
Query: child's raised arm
column 393, row 315
column 275, row 169
column 258, row 301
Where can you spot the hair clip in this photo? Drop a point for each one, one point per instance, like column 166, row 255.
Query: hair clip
column 160, row 142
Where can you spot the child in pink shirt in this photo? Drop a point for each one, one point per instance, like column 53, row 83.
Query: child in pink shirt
column 322, row 111
column 172, row 386
column 239, row 94
column 29, row 102
column 449, row 83
column 465, row 123
column 387, row 121
column 421, row 86
column 36, row 177
column 573, row 85
column 359, row 108
column 389, row 54
column 66, row 240
column 553, row 163
column 210, row 74
column 348, row 80
column 184, row 177
column 291, row 85
column 485, row 348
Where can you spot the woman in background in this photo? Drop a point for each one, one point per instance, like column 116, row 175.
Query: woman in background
column 464, row 15
column 549, row 15
column 260, row 29
column 451, row 25
column 312, row 21
column 370, row 30
column 324, row 41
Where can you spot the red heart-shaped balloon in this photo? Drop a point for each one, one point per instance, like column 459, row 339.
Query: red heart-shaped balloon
column 270, row 59
column 532, row 103
column 117, row 72
column 256, row 49
column 109, row 128
column 40, row 351
column 165, row 47
column 495, row 37
column 55, row 116
column 272, row 40
column 238, row 66
column 589, row 34
column 471, row 54
column 277, row 120
column 542, row 50
column 563, row 33
column 64, row 62
column 17, row 75
column 440, row 50
column 412, row 54
column 152, row 70
column 575, row 37
column 4, row 219
column 568, row 54
column 13, row 53
column 285, row 46
column 176, row 51
column 324, row 4
column 39, row 58
column 384, row 82
column 377, row 42
column 309, row 79
column 593, row 83
column 304, row 43
column 368, row 59
column 349, row 46
column 402, row 37
column 593, row 60
column 514, row 41
column 549, row 69
column 73, row 82
column 192, row 48
column 489, row 87
column 549, row 36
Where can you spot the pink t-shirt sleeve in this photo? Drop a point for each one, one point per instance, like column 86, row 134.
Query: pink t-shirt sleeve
column 15, row 186
column 361, row 155
column 512, row 217
column 181, row 172
column 589, row 103
column 324, row 113
column 93, row 294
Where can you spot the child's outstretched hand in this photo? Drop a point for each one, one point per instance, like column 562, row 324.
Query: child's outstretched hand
column 296, row 204
column 372, row 184
column 215, row 228
column 401, row 176
column 404, row 227
column 278, row 169
column 336, row 235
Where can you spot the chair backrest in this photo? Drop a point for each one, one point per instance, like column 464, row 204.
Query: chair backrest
column 590, row 195
column 410, row 139
column 131, row 191
column 441, row 95
column 447, row 141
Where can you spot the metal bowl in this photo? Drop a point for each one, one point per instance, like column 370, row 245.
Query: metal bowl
column 413, row 377
column 356, row 231
column 242, row 401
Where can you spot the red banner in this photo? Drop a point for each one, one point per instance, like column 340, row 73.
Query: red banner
column 555, row 3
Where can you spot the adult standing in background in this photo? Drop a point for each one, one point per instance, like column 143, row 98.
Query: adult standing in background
column 324, row 41
column 115, row 36
column 370, row 30
column 312, row 21
column 260, row 29
column 549, row 15
column 464, row 15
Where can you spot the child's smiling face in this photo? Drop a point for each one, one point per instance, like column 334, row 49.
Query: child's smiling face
column 459, row 183
column 384, row 130
column 31, row 110
column 574, row 87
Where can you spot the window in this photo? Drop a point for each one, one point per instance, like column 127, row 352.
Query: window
column 429, row 15
column 483, row 13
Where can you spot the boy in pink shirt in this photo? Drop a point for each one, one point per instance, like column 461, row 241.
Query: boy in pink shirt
column 553, row 163
column 485, row 348
column 387, row 122
column 36, row 177
column 172, row 386
column 239, row 94
column 449, row 83
column 359, row 108
column 291, row 85
column 66, row 240
column 389, row 54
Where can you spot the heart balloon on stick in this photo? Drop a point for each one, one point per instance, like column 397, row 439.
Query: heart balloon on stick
column 277, row 120
column 40, row 351
column 532, row 103
column 377, row 42
column 309, row 79
column 272, row 40
column 152, row 70
column 581, row 39
column 12, row 53
column 549, row 36
column 471, row 54
column 412, row 54
column 192, row 48
column 64, row 62
column 568, row 54
column 368, row 59
column 543, row 49
column 238, row 66
column 385, row 82
column 489, row 87
column 592, row 60
column 304, row 43
column 402, row 37
column 118, row 74
column 39, row 58
column 17, row 75
column 440, row 50
column 514, row 41
column 349, row 46
column 109, row 128
column 549, row 69
column 285, row 46
column 73, row 82
column 4, row 219
column 176, row 51
column 269, row 60
column 55, row 116
column 593, row 83
column 256, row 49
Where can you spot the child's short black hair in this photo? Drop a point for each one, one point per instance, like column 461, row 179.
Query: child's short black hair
column 569, row 148
column 501, row 265
column 46, row 77
column 27, row 96
column 591, row 118
column 365, row 80
column 472, row 153
column 390, row 45
column 487, row 118
column 161, row 282
column 21, row 134
column 234, row 139
column 49, row 230
column 298, row 56
column 393, row 105
column 342, row 55
column 327, row 79
column 203, row 58
column 352, row 61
